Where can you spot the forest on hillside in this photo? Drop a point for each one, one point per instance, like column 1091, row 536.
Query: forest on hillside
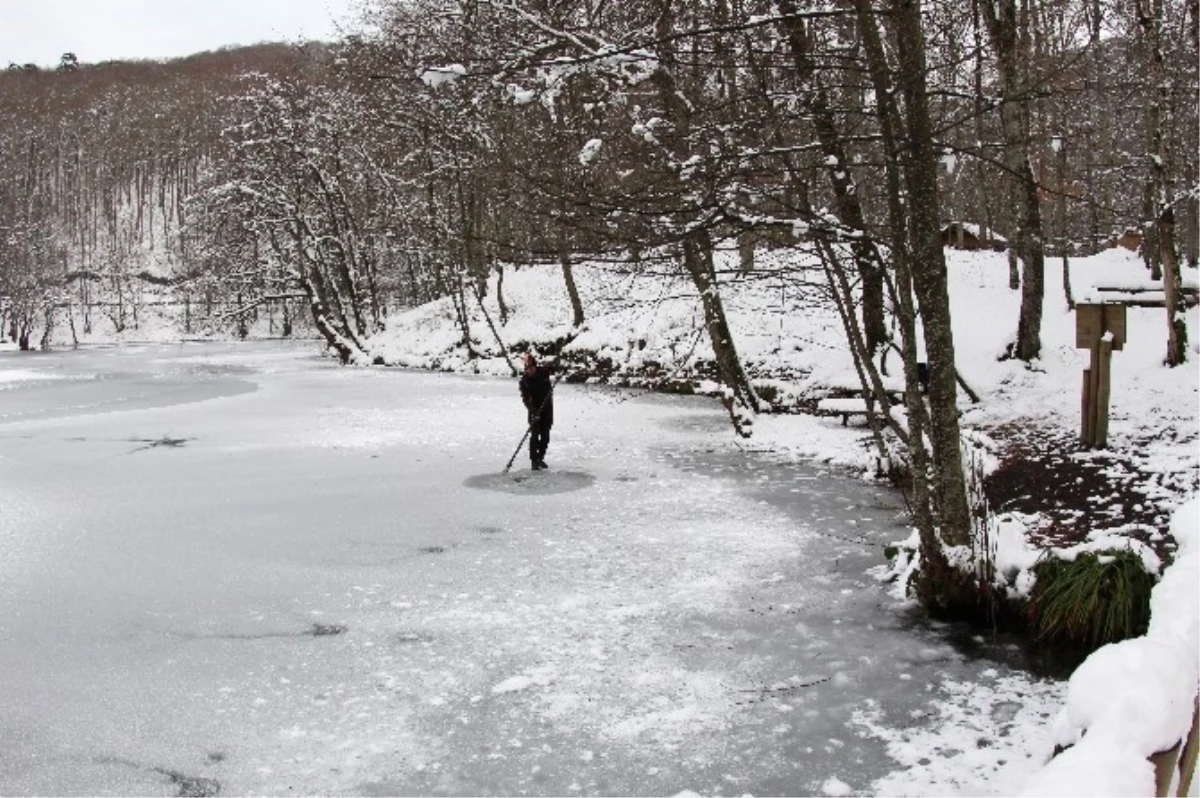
column 462, row 137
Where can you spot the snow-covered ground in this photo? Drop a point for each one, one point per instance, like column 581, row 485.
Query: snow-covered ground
column 278, row 448
column 244, row 568
column 791, row 340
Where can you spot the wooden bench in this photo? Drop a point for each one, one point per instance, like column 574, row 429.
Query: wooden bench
column 845, row 408
column 1145, row 296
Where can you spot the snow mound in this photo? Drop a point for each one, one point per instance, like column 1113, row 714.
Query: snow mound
column 1132, row 699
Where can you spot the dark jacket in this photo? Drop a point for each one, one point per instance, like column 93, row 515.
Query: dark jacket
column 537, row 388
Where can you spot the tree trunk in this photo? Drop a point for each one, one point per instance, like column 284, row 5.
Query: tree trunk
column 1012, row 53
column 1191, row 235
column 893, row 131
column 1014, row 266
column 745, row 244
column 1062, row 225
column 48, row 330
column 697, row 258
column 564, row 257
column 847, row 203
column 500, row 294
column 1159, row 184
column 1092, row 137
column 929, row 278
column 741, row 401
column 459, row 298
column 1177, row 335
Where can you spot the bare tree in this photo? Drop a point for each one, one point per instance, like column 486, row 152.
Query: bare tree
column 1005, row 24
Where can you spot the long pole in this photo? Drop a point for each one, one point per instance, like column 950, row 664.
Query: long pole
column 529, row 429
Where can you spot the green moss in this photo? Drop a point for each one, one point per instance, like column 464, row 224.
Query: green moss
column 1098, row 598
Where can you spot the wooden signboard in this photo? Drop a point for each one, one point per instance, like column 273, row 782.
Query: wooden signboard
column 1093, row 320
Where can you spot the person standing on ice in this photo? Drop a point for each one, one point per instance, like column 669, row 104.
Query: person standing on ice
column 537, row 392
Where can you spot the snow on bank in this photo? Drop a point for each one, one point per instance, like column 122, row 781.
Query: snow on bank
column 1155, row 415
column 650, row 324
column 1132, row 699
column 635, row 321
column 791, row 341
column 1013, row 555
column 982, row 739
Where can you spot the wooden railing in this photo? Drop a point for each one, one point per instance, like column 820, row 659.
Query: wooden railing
column 1181, row 760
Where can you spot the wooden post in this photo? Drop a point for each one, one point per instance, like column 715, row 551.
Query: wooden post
column 1094, row 397
column 1164, row 770
column 1100, row 328
column 1085, row 414
column 1103, row 392
column 1187, row 757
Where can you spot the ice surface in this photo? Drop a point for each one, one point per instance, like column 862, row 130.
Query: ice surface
column 522, row 481
column 244, row 568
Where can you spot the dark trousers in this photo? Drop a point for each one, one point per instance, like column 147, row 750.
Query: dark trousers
column 539, row 439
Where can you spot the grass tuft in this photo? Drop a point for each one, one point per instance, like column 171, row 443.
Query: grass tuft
column 1096, row 599
column 768, row 393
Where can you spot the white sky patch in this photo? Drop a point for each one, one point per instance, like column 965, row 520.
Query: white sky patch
column 41, row 32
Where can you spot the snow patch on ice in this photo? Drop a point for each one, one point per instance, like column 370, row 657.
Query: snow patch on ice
column 11, row 377
column 835, row 786
column 972, row 739
column 513, row 684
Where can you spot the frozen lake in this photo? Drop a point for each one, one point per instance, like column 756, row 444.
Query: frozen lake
column 241, row 569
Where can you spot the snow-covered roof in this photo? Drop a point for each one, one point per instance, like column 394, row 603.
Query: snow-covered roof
column 973, row 229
